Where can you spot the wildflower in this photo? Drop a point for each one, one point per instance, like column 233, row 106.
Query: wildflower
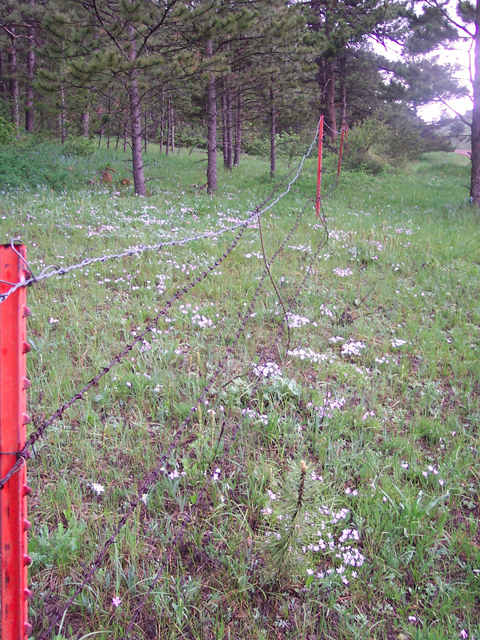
column 98, row 488
column 53, row 321
column 404, row 465
column 463, row 634
column 343, row 273
column 441, row 482
column 116, row 601
column 129, row 384
column 144, row 498
column 412, row 618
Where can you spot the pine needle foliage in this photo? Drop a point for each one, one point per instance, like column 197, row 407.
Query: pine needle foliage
column 283, row 546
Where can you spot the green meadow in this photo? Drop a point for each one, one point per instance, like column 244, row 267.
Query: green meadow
column 326, row 486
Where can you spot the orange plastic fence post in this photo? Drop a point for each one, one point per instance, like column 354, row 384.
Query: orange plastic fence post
column 319, row 172
column 13, row 419
column 340, row 152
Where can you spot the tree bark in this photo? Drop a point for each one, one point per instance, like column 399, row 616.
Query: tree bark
column 172, row 124
column 229, row 129
column 343, row 93
column 273, row 132
column 136, row 125
column 475, row 168
column 162, row 120
column 13, row 83
column 211, row 126
column 62, row 116
column 224, row 123
column 167, row 150
column 3, row 84
column 30, row 77
column 329, row 93
column 238, row 130
column 85, row 123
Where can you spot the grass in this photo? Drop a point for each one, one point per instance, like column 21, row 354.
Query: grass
column 367, row 439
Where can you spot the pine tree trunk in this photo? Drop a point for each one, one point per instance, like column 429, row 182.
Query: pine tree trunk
column 224, row 123
column 273, row 132
column 229, row 130
column 329, row 93
column 136, row 125
column 343, row 93
column 13, row 84
column 162, row 121
column 145, row 132
column 238, row 130
column 167, row 150
column 172, row 124
column 85, row 123
column 3, row 85
column 30, row 77
column 125, row 135
column 211, row 126
column 475, row 169
column 62, row 116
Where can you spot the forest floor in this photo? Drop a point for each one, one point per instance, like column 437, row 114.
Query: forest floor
column 323, row 481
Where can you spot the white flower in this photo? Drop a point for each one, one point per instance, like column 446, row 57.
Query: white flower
column 144, row 498
column 98, row 488
column 53, row 321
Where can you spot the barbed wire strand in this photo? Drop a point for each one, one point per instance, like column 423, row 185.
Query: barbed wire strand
column 152, row 477
column 39, row 433
column 219, row 463
column 51, row 270
column 23, row 454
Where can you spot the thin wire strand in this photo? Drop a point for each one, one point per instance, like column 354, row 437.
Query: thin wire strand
column 51, row 270
column 188, row 516
column 152, row 477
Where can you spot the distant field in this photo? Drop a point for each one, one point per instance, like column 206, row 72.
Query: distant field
column 326, row 485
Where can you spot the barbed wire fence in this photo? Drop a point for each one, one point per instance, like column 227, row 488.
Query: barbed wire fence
column 254, row 218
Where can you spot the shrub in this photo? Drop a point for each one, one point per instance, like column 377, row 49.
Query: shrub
column 7, row 130
column 78, row 146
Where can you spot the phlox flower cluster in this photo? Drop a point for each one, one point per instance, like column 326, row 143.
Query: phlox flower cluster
column 329, row 405
column 309, row 354
column 201, row 321
column 325, row 311
column 256, row 417
column 300, row 247
column 295, row 321
column 267, row 370
column 343, row 273
column 338, row 235
column 396, row 342
column 352, row 348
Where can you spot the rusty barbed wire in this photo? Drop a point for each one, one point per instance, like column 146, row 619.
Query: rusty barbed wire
column 51, row 270
column 153, row 476
column 219, row 463
column 259, row 211
column 39, row 433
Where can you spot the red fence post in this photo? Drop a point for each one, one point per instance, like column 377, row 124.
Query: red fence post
column 13, row 419
column 319, row 172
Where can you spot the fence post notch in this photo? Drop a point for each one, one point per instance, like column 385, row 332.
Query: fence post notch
column 13, row 420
